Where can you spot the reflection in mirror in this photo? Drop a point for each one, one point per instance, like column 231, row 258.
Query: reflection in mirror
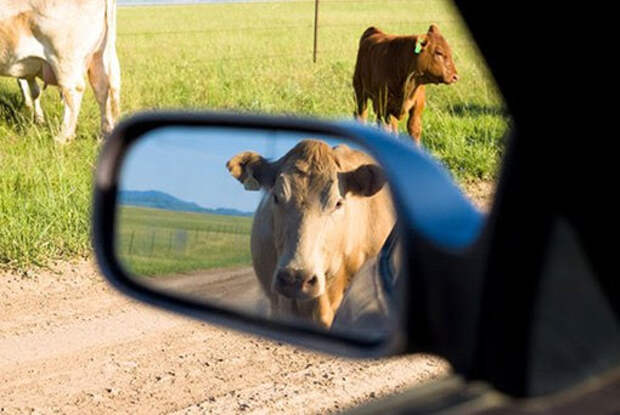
column 275, row 223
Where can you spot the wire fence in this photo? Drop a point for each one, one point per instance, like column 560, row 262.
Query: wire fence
column 278, row 28
column 288, row 28
column 161, row 242
column 134, row 3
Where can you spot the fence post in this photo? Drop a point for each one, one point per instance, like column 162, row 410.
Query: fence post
column 316, row 24
column 131, row 242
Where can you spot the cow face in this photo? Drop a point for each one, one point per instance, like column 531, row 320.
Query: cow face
column 313, row 202
column 435, row 58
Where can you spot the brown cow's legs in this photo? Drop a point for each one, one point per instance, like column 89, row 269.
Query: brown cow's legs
column 393, row 124
column 379, row 114
column 361, row 112
column 414, row 123
column 361, row 99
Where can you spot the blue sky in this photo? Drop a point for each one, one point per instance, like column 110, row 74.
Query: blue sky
column 190, row 163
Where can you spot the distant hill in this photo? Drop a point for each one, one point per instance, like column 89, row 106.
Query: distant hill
column 160, row 200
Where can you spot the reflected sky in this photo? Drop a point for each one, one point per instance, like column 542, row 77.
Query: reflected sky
column 189, row 163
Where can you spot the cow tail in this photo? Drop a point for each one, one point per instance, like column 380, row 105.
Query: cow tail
column 110, row 58
column 110, row 26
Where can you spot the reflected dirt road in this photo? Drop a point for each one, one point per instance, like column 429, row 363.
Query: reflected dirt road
column 236, row 287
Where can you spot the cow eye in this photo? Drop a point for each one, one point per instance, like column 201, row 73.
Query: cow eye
column 275, row 199
column 339, row 204
column 438, row 53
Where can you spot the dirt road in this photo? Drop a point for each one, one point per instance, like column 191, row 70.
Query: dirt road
column 71, row 344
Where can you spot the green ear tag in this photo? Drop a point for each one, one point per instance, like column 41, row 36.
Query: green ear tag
column 418, row 47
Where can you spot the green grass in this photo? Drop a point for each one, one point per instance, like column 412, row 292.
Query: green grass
column 155, row 242
column 243, row 57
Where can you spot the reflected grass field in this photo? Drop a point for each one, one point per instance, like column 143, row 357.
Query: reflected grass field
column 253, row 57
column 158, row 242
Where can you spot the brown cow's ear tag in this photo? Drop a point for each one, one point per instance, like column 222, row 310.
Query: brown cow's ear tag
column 418, row 45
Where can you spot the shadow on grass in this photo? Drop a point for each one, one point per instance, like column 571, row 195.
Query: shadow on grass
column 10, row 109
column 16, row 117
column 477, row 110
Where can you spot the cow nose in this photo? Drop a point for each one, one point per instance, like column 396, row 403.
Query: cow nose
column 285, row 278
column 455, row 77
column 296, row 283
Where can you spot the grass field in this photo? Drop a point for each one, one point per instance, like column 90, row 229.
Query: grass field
column 242, row 57
column 153, row 242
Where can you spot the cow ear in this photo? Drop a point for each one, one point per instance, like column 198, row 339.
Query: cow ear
column 252, row 170
column 365, row 181
column 433, row 29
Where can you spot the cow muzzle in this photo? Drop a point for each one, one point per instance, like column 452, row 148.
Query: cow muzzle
column 298, row 284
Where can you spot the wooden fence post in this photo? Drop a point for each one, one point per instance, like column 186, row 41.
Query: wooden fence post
column 316, row 25
column 131, row 242
column 152, row 243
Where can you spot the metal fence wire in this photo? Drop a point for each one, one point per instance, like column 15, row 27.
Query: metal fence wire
column 316, row 25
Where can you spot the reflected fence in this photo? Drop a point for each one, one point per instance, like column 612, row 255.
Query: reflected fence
column 165, row 241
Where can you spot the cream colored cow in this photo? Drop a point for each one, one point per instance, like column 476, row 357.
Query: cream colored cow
column 60, row 42
column 325, row 211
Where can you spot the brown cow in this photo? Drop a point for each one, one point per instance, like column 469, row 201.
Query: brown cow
column 325, row 211
column 392, row 71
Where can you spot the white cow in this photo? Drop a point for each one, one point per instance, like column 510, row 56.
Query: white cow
column 324, row 213
column 60, row 41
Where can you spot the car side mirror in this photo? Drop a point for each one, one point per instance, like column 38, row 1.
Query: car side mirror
column 312, row 232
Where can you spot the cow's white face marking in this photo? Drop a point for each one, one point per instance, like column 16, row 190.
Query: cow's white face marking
column 309, row 220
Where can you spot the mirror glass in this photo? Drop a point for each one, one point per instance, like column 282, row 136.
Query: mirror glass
column 280, row 224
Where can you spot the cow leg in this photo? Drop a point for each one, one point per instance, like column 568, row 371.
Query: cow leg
column 72, row 98
column 25, row 89
column 105, row 81
column 31, row 93
column 361, row 112
column 361, row 100
column 392, row 124
column 379, row 113
column 414, row 123
column 384, row 122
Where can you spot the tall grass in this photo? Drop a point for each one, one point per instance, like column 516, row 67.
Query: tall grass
column 242, row 57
